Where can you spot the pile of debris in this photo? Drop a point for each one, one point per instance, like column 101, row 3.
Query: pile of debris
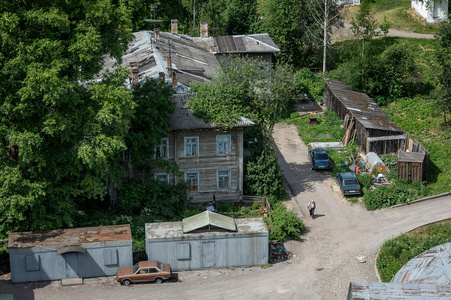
column 278, row 253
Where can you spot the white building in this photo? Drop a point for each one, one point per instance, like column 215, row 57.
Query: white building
column 432, row 10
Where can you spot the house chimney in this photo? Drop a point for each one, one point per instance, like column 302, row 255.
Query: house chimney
column 174, row 80
column 203, row 28
column 168, row 63
column 134, row 69
column 157, row 34
column 161, row 77
column 174, row 26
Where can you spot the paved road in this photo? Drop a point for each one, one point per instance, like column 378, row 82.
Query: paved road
column 327, row 257
column 345, row 33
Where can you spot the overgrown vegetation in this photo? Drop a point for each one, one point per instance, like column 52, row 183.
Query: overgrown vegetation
column 398, row 251
column 284, row 224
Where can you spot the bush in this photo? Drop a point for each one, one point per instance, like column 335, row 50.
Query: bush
column 284, row 224
column 310, row 83
column 365, row 180
column 227, row 207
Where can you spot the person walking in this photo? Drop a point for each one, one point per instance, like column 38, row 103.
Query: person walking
column 311, row 207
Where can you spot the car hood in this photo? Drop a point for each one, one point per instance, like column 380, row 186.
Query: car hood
column 124, row 271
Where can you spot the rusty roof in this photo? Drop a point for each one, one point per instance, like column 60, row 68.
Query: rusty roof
column 70, row 237
column 183, row 118
column 432, row 266
column 362, row 107
column 386, row 290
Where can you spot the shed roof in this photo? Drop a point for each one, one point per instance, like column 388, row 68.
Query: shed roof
column 183, row 118
column 174, row 230
column 362, row 107
column 432, row 266
column 385, row 290
column 411, row 156
column 70, row 237
column 250, row 43
column 208, row 218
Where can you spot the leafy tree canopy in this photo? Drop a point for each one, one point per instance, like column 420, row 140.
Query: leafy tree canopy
column 60, row 136
column 443, row 57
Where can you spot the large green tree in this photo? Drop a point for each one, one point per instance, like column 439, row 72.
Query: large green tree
column 60, row 131
column 443, row 57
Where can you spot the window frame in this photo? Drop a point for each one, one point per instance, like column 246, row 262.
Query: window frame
column 197, row 178
column 196, row 144
column 218, row 179
column 228, row 144
column 162, row 174
column 160, row 146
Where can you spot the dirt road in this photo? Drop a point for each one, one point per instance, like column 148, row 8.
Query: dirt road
column 344, row 33
column 338, row 247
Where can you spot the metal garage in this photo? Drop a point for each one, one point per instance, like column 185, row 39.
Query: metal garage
column 208, row 240
column 69, row 253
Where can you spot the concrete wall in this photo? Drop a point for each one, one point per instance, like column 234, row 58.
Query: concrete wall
column 45, row 264
column 214, row 251
column 432, row 11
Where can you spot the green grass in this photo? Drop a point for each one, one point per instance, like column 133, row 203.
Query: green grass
column 398, row 13
column 398, row 251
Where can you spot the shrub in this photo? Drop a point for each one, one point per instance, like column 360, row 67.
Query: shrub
column 227, row 207
column 365, row 180
column 310, row 83
column 284, row 224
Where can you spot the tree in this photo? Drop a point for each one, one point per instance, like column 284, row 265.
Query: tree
column 239, row 16
column 285, row 21
column 245, row 87
column 443, row 57
column 60, row 134
column 326, row 15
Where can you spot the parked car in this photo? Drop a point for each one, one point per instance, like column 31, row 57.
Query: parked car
column 348, row 183
column 144, row 271
column 319, row 159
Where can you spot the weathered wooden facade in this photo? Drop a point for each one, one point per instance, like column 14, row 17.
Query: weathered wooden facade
column 364, row 120
column 210, row 157
column 411, row 166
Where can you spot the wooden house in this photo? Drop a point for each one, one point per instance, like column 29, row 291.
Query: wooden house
column 412, row 166
column 363, row 119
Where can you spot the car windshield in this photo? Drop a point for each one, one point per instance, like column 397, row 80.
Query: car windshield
column 321, row 156
column 135, row 268
column 350, row 181
column 161, row 266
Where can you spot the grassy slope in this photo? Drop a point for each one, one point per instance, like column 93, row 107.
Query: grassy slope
column 398, row 12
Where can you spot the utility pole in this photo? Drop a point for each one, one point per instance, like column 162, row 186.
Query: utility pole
column 194, row 15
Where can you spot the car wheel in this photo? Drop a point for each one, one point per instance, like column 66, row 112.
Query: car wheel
column 126, row 282
column 158, row 280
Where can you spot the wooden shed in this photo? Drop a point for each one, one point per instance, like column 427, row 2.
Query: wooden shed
column 363, row 119
column 411, row 166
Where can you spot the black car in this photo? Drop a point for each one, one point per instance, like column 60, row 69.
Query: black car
column 319, row 159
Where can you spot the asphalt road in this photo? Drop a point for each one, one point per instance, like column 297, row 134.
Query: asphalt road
column 338, row 247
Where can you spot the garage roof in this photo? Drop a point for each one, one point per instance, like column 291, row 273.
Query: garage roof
column 208, row 218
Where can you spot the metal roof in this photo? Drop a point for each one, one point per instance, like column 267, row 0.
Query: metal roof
column 432, row 266
column 208, row 218
column 362, row 107
column 175, row 230
column 385, row 290
column 70, row 237
column 183, row 118
column 230, row 44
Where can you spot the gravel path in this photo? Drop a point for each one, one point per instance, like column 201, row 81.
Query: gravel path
column 338, row 247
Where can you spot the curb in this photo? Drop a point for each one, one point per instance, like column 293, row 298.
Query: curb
column 421, row 200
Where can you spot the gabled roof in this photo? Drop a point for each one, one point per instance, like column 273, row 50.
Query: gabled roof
column 238, row 44
column 362, row 107
column 183, row 118
column 208, row 218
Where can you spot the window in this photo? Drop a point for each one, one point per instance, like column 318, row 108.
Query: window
column 223, row 179
column 193, row 179
column 153, row 270
column 162, row 149
column 32, row 262
column 126, row 155
column 162, row 177
column 223, row 142
column 183, row 251
column 191, row 146
column 110, row 257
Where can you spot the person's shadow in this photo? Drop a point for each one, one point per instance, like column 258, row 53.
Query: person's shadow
column 316, row 216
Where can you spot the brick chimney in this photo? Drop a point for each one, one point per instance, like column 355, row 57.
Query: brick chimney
column 168, row 63
column 203, row 28
column 174, row 80
column 174, row 26
column 157, row 34
column 134, row 76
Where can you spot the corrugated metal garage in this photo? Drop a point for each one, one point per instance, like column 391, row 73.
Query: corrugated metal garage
column 69, row 253
column 208, row 240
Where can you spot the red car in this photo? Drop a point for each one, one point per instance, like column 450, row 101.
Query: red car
column 144, row 271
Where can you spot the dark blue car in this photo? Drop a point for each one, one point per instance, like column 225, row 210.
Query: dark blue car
column 349, row 185
column 319, row 159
